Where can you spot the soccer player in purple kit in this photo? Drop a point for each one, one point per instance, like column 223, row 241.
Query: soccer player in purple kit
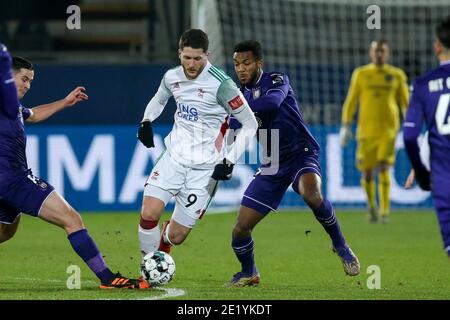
column 273, row 101
column 21, row 191
column 430, row 103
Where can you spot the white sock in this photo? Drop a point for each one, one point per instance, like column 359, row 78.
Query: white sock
column 149, row 239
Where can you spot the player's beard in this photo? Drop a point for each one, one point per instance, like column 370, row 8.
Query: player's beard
column 250, row 80
column 197, row 72
column 254, row 77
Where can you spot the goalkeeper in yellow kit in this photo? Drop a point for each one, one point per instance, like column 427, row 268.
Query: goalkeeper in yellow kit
column 381, row 91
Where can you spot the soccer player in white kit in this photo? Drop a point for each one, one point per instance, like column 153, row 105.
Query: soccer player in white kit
column 195, row 148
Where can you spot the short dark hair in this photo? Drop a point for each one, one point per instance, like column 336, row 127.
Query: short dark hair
column 381, row 42
column 194, row 38
column 250, row 45
column 19, row 63
column 443, row 32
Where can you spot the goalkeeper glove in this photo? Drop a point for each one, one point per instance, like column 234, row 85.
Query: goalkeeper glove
column 145, row 134
column 223, row 170
column 423, row 179
column 345, row 134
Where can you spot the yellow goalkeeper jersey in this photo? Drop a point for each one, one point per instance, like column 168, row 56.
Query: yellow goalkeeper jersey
column 380, row 93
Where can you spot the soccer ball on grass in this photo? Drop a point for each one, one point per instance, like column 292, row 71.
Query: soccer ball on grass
column 158, row 268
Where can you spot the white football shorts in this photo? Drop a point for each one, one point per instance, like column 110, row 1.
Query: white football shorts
column 169, row 178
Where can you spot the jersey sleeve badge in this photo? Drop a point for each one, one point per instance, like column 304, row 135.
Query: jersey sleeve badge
column 277, row 78
column 235, row 103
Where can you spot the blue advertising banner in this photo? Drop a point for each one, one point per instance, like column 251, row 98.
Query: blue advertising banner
column 103, row 168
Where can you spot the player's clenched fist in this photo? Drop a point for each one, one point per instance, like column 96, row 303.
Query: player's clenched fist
column 145, row 134
column 223, row 170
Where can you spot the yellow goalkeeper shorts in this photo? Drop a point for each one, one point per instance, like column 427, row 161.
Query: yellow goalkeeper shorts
column 371, row 152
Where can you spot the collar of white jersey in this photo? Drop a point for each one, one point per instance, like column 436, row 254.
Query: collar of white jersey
column 443, row 63
column 205, row 69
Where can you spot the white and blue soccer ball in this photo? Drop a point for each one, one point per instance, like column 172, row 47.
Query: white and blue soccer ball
column 158, row 268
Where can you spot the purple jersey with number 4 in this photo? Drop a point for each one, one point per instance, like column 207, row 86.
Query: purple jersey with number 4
column 430, row 103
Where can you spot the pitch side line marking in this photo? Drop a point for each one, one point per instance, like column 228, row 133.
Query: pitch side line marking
column 168, row 292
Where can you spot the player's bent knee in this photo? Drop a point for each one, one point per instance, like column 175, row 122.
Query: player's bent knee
column 152, row 209
column 313, row 198
column 311, row 193
column 73, row 222
column 240, row 231
column 149, row 214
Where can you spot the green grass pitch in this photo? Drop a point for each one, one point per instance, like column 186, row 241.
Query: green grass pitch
column 294, row 264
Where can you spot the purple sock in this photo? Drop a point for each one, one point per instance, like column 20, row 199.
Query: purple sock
column 243, row 248
column 86, row 248
column 325, row 215
column 443, row 215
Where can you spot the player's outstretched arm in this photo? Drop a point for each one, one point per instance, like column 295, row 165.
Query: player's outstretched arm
column 9, row 103
column 45, row 111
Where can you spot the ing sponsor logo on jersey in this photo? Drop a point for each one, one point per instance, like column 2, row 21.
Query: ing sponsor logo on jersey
column 187, row 112
column 388, row 77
